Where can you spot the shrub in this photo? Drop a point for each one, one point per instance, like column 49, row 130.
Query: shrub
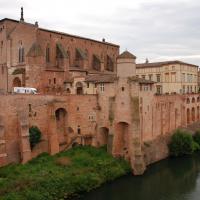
column 196, row 137
column 182, row 144
column 196, row 146
column 34, row 136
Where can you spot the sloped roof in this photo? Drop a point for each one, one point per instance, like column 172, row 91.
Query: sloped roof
column 61, row 33
column 69, row 80
column 160, row 64
column 35, row 50
column 127, row 55
column 98, row 78
column 79, row 69
column 140, row 80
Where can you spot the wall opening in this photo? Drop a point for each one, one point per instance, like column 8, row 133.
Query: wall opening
column 193, row 114
column 188, row 116
column 103, row 136
column 61, row 125
column 121, row 139
column 79, row 88
column 17, row 82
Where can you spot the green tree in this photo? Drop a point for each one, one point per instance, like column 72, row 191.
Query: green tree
column 34, row 136
column 196, row 137
column 182, row 143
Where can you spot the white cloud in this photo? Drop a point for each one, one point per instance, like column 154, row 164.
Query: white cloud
column 157, row 29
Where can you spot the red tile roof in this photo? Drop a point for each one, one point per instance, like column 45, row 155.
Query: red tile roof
column 127, row 55
column 160, row 64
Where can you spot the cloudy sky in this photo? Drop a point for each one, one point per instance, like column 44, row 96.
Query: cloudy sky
column 153, row 29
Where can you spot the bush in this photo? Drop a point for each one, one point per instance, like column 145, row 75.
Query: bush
column 182, row 143
column 34, row 136
column 196, row 137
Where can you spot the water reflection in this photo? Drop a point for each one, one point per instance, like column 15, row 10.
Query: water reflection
column 171, row 179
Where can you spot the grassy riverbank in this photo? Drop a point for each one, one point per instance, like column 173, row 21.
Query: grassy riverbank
column 60, row 176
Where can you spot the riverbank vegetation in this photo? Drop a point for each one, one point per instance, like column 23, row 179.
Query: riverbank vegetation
column 61, row 176
column 183, row 143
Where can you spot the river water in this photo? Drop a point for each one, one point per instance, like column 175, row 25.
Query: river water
column 171, row 179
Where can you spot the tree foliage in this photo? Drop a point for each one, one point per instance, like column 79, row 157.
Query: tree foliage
column 34, row 136
column 182, row 143
column 196, row 137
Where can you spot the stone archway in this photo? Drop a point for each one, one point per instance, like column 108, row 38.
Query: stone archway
column 79, row 88
column 121, row 138
column 188, row 115
column 61, row 126
column 193, row 114
column 103, row 136
column 17, row 82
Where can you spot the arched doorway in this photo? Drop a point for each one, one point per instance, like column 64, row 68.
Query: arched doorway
column 188, row 115
column 79, row 88
column 121, row 139
column 61, row 125
column 103, row 136
column 193, row 114
column 17, row 82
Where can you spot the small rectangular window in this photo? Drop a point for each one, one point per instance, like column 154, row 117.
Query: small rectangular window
column 102, row 87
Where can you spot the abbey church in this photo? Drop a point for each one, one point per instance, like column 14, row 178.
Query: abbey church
column 89, row 94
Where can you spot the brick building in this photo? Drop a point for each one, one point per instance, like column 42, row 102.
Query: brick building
column 46, row 60
column 89, row 95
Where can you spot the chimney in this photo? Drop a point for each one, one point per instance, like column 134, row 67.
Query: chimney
column 147, row 61
column 103, row 40
column 22, row 15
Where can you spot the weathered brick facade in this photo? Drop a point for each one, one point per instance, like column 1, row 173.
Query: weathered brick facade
column 88, row 94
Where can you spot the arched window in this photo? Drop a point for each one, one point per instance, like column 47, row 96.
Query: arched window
column 193, row 114
column 48, row 54
column 21, row 54
column 188, row 116
column 109, row 64
column 188, row 100
column 193, row 100
column 96, row 63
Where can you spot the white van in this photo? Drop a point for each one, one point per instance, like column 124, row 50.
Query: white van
column 24, row 90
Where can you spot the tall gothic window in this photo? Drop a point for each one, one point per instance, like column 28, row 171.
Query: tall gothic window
column 48, row 54
column 109, row 64
column 21, row 54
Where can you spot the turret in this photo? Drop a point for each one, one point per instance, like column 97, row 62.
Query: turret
column 126, row 66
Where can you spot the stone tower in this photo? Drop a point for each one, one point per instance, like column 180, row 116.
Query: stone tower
column 126, row 66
